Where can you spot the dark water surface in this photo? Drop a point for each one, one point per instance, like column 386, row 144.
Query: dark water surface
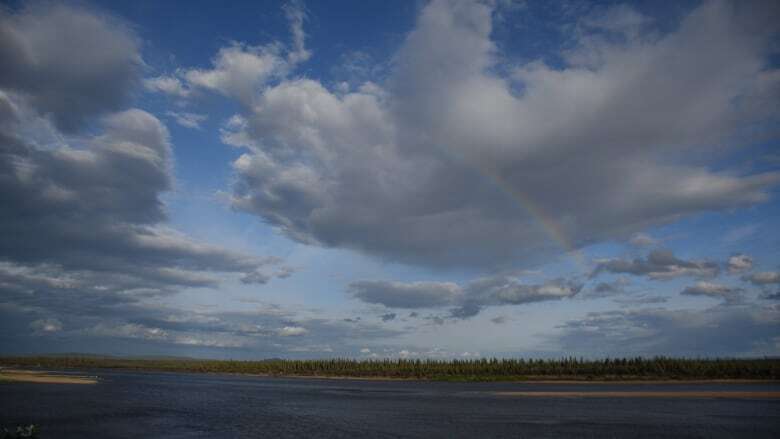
column 152, row 405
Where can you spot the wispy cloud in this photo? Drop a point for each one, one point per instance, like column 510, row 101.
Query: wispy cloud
column 465, row 301
column 659, row 265
column 188, row 120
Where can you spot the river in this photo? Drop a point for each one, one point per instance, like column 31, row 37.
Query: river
column 174, row 405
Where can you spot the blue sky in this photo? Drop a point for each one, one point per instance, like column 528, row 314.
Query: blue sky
column 390, row 179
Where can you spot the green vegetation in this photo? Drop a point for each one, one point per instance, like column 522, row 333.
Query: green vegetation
column 662, row 368
column 29, row 431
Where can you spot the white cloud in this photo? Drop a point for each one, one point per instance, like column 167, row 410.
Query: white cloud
column 170, row 85
column 103, row 188
column 658, row 265
column 444, row 164
column 739, row 263
column 714, row 290
column 466, row 301
column 84, row 224
column 642, row 240
column 406, row 295
column 188, row 120
column 239, row 70
column 763, row 278
column 128, row 330
column 46, row 325
column 292, row 331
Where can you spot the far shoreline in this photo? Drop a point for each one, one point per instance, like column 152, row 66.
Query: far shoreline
column 53, row 376
column 657, row 370
column 587, row 389
column 530, row 380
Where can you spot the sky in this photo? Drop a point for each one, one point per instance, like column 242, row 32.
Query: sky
column 368, row 179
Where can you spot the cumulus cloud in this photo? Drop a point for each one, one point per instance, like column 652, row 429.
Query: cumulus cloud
column 658, row 265
column 718, row 331
column 95, row 206
column 240, row 70
column 503, row 290
column 406, row 295
column 46, row 325
column 170, row 85
column 292, row 331
column 642, row 239
column 763, row 278
column 467, row 301
column 448, row 163
column 510, row 291
column 714, row 290
column 739, row 263
column 70, row 62
column 85, row 240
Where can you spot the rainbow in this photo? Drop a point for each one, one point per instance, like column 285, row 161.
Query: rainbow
column 551, row 227
column 548, row 225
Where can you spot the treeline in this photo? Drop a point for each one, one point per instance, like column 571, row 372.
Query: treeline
column 492, row 369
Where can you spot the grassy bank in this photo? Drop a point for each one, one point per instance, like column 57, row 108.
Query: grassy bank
column 659, row 368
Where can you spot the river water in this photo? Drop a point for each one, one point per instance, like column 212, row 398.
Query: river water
column 173, row 405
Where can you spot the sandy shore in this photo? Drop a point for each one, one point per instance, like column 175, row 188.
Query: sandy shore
column 52, row 377
column 645, row 394
column 28, row 376
column 640, row 381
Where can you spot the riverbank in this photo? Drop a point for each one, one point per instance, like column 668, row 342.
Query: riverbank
column 521, row 379
column 483, row 370
column 49, row 377
column 33, row 376
column 645, row 394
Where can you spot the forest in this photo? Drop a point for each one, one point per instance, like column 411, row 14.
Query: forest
column 486, row 369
